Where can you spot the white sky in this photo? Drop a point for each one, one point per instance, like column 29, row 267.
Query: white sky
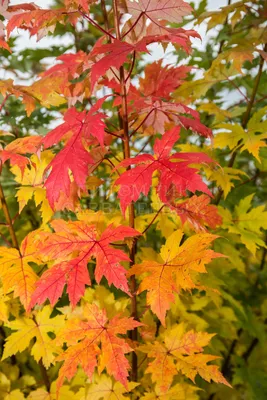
column 25, row 42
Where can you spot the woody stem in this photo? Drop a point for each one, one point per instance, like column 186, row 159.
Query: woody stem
column 125, row 127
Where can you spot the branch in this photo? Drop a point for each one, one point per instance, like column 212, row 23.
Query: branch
column 4, row 101
column 144, row 120
column 113, row 134
column 127, row 153
column 44, row 375
column 5, row 240
column 132, row 27
column 96, row 25
column 132, row 67
column 155, row 217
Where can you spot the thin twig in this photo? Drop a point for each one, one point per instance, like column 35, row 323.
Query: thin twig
column 96, row 25
column 132, row 67
column 132, row 27
column 5, row 240
column 153, row 220
column 144, row 120
column 4, row 101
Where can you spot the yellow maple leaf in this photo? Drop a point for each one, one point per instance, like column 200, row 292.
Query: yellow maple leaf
column 180, row 391
column 38, row 327
column 32, row 184
column 247, row 222
column 15, row 271
column 248, row 139
column 5, row 390
column 107, row 389
column 64, row 393
column 223, row 176
column 46, row 91
column 180, row 351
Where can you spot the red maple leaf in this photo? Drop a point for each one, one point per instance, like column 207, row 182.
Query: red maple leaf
column 161, row 81
column 117, row 53
column 40, row 21
column 151, row 107
column 74, row 156
column 82, row 240
column 174, row 170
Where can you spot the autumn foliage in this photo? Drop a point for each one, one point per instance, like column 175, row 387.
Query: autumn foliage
column 132, row 257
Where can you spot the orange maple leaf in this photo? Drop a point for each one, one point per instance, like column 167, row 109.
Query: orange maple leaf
column 173, row 273
column 85, row 337
column 198, row 212
column 72, row 245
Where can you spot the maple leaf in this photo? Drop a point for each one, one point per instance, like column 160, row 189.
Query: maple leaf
column 45, row 91
column 15, row 271
column 7, row 87
column 180, row 391
column 7, row 11
column 154, row 113
column 158, row 13
column 223, row 176
column 181, row 351
column 14, row 150
column 81, row 239
column 250, row 139
column 160, row 81
column 118, row 52
column 170, row 10
column 247, row 222
column 174, row 170
column 6, row 393
column 173, row 271
column 191, row 90
column 72, row 66
column 40, row 21
column 94, row 330
column 4, row 45
column 198, row 212
column 63, row 393
column 77, row 4
column 39, row 327
column 105, row 388
column 32, row 184
column 74, row 156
